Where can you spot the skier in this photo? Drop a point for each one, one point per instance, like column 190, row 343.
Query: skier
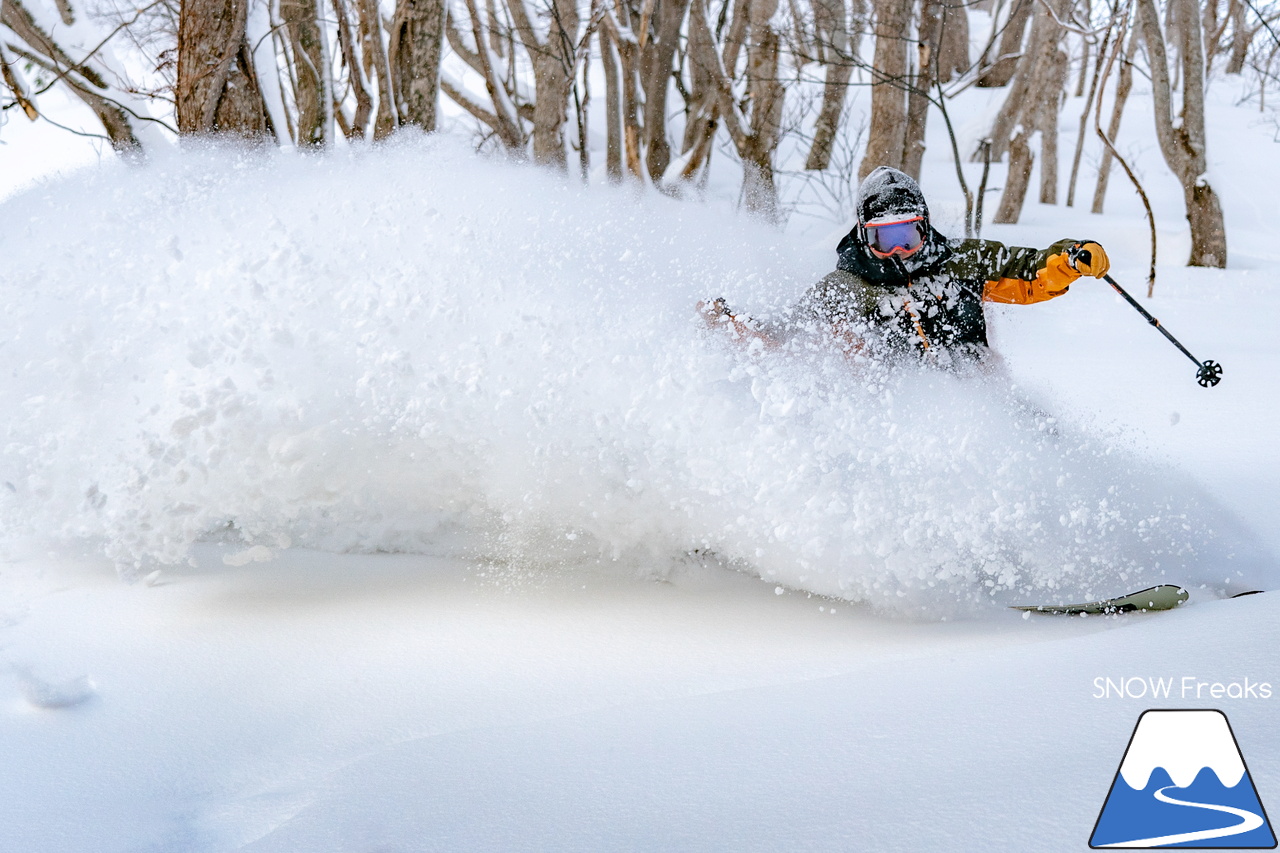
column 902, row 287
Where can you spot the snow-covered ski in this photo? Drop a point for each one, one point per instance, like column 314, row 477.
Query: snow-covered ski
column 1163, row 597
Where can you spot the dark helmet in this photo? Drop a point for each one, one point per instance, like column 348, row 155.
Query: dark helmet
column 887, row 194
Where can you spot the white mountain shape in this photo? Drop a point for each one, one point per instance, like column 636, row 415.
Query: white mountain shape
column 1183, row 743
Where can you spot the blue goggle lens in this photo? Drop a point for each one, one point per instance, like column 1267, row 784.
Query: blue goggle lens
column 903, row 236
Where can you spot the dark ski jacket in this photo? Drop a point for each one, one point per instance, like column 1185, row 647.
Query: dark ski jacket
column 931, row 302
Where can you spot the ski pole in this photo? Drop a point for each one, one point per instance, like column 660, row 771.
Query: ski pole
column 1209, row 373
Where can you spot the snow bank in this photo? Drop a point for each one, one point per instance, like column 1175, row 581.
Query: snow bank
column 412, row 349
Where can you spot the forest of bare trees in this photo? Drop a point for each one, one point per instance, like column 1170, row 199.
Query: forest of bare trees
column 663, row 85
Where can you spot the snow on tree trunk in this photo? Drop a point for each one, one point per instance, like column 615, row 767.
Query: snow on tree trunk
column 1182, row 140
column 87, row 77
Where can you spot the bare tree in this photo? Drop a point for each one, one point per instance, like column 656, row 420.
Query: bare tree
column 1182, row 140
column 755, row 125
column 553, row 58
column 1032, row 106
column 837, row 42
column 928, row 45
column 658, row 42
column 1124, row 84
column 1005, row 62
column 886, row 135
column 217, row 90
column 79, row 57
column 1240, row 37
column 310, row 72
column 415, row 51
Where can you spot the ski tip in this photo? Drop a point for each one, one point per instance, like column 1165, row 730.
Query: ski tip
column 1250, row 592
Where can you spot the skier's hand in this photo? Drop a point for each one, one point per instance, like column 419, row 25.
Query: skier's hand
column 1089, row 258
column 714, row 311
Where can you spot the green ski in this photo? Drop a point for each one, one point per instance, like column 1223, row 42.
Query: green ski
column 1163, row 597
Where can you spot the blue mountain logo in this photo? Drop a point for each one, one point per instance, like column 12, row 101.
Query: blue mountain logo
column 1183, row 783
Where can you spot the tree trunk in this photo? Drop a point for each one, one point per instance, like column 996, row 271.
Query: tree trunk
column 756, row 136
column 554, row 65
column 1239, row 38
column 377, row 64
column 355, row 72
column 1015, row 185
column 1006, row 63
column 415, row 59
column 299, row 18
column 1183, row 142
column 953, row 42
column 1208, row 233
column 838, row 44
column 656, row 61
column 917, row 99
column 1039, row 79
column 628, row 54
column 612, row 107
column 1047, row 123
column 702, row 108
column 217, row 91
column 766, row 93
column 1123, row 85
column 887, row 133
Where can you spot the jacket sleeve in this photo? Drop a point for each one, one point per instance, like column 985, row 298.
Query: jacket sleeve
column 1020, row 276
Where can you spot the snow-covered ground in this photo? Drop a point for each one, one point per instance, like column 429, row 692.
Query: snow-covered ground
column 395, row 500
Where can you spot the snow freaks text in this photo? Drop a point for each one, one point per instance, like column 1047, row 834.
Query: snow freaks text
column 1184, row 687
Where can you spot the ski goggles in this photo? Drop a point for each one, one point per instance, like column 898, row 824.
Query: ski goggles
column 901, row 238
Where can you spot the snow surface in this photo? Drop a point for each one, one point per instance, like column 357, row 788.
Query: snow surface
column 448, row 527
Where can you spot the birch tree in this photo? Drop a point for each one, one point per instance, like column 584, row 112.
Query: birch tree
column 754, row 125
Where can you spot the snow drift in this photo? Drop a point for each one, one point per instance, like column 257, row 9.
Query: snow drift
column 412, row 349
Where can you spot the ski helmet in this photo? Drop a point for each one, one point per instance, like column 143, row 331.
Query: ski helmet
column 892, row 214
column 888, row 194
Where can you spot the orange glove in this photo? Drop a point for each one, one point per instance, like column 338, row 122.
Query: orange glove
column 1089, row 258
